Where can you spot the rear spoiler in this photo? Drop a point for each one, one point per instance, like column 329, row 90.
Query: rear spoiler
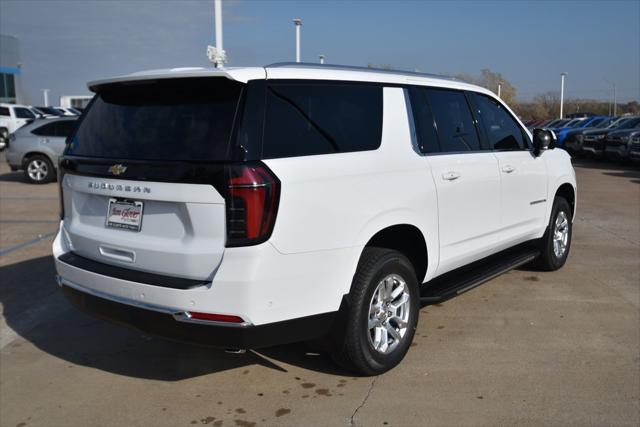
column 242, row 75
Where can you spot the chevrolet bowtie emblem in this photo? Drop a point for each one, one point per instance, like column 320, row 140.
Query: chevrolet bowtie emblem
column 117, row 169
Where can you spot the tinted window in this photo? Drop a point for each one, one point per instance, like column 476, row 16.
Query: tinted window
column 426, row 136
column 4, row 111
column 50, row 129
column 23, row 113
column 320, row 118
column 65, row 128
column 456, row 130
column 630, row 124
column 501, row 129
column 168, row 119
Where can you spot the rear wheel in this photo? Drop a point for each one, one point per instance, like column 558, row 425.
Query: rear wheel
column 382, row 314
column 38, row 169
column 556, row 241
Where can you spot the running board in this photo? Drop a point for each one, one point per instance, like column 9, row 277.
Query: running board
column 466, row 278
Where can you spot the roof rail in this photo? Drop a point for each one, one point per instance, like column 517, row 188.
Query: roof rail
column 355, row 68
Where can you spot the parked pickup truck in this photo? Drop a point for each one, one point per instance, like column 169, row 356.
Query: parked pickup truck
column 249, row 207
column 12, row 117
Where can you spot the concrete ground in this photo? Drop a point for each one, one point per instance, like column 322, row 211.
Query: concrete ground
column 527, row 348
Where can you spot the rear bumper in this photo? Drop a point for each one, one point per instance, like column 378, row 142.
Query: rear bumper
column 295, row 295
column 13, row 159
column 164, row 324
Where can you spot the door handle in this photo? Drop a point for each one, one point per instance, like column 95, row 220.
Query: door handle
column 508, row 169
column 451, row 176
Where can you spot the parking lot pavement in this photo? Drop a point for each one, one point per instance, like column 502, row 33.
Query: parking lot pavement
column 534, row 348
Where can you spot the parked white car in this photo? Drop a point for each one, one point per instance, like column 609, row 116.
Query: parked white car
column 248, row 207
column 12, row 117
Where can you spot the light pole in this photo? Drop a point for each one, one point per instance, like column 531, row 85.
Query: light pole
column 499, row 89
column 613, row 98
column 321, row 56
column 615, row 102
column 216, row 54
column 298, row 23
column 45, row 96
column 562, row 76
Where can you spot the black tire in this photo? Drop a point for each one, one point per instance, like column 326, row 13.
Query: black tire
column 548, row 259
column 40, row 163
column 4, row 138
column 352, row 348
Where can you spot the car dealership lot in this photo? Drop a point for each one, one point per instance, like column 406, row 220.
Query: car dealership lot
column 558, row 348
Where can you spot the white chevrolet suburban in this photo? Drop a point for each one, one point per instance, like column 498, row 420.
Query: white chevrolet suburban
column 249, row 207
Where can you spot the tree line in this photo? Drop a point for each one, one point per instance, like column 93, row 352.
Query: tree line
column 546, row 105
column 543, row 106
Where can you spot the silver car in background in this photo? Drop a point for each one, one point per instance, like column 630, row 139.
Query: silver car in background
column 35, row 148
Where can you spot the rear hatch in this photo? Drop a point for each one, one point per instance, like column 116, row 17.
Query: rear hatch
column 139, row 175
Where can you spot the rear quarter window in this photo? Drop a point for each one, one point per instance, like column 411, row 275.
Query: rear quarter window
column 65, row 128
column 49, row 129
column 311, row 118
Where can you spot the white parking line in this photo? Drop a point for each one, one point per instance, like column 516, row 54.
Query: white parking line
column 38, row 239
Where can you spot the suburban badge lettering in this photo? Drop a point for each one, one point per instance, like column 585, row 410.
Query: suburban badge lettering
column 124, row 188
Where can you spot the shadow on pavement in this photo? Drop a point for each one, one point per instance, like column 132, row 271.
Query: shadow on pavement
column 630, row 171
column 37, row 311
column 12, row 177
column 602, row 164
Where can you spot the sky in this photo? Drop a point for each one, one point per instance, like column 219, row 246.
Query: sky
column 65, row 44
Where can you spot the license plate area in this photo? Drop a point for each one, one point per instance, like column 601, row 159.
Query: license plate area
column 124, row 214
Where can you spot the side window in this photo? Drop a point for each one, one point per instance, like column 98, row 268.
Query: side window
column 454, row 122
column 50, row 129
column 23, row 113
column 426, row 135
column 305, row 118
column 503, row 132
column 65, row 128
column 4, row 111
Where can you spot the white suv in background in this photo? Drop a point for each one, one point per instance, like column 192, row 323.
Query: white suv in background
column 249, row 207
column 12, row 118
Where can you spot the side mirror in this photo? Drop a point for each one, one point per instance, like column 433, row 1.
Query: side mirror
column 543, row 139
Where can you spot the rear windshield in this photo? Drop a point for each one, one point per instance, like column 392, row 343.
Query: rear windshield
column 189, row 119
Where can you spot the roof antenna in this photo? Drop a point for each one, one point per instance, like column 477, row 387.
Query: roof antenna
column 216, row 54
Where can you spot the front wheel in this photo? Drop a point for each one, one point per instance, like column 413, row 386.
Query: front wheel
column 382, row 313
column 556, row 241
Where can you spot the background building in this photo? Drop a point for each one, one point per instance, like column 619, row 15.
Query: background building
column 10, row 71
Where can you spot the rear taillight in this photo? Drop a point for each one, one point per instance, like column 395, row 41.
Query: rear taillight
column 60, row 173
column 252, row 192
